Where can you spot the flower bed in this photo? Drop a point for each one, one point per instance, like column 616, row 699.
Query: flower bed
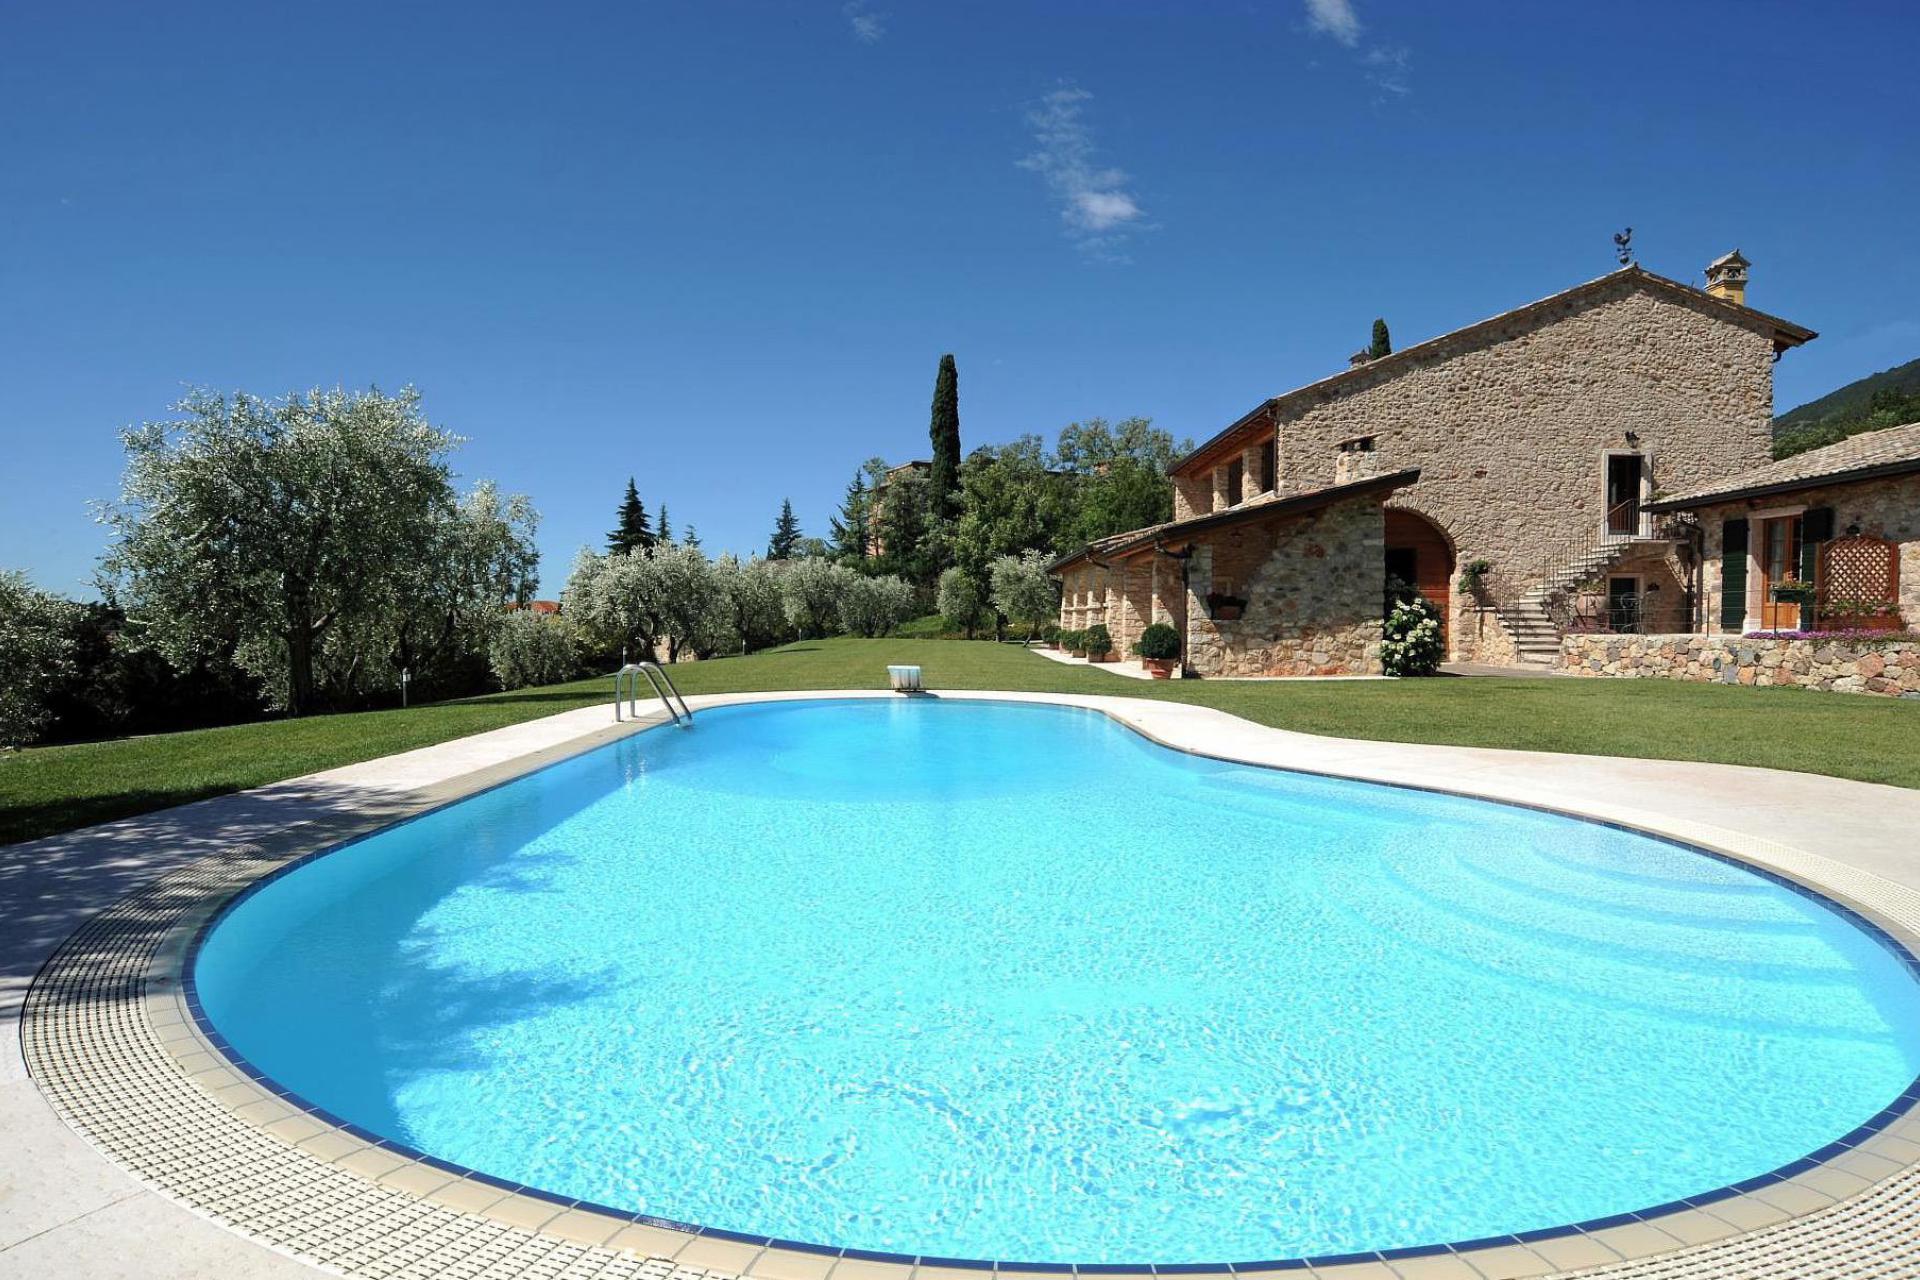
column 1877, row 662
column 1850, row 635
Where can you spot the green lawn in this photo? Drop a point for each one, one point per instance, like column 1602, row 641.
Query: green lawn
column 49, row 789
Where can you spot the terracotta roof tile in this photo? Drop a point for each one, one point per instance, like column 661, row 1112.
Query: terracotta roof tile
column 1873, row 452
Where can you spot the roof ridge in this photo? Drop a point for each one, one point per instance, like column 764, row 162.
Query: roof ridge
column 1786, row 333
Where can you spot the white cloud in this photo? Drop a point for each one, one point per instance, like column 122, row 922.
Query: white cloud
column 867, row 25
column 1098, row 210
column 1388, row 66
column 1335, row 18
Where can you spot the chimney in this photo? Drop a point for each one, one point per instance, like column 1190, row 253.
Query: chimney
column 1358, row 358
column 1727, row 278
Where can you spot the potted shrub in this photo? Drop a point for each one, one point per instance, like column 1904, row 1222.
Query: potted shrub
column 1099, row 642
column 1590, row 599
column 1050, row 635
column 1473, row 578
column 1074, row 642
column 1223, row 607
column 1159, row 648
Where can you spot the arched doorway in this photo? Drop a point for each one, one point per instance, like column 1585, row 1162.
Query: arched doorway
column 1420, row 554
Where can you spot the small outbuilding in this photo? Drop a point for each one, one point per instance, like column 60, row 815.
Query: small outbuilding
column 1824, row 540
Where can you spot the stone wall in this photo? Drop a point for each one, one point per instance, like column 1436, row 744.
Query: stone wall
column 1314, row 586
column 1511, row 425
column 1888, row 508
column 1889, row 668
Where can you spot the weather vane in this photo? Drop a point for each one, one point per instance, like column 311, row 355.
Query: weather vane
column 1623, row 246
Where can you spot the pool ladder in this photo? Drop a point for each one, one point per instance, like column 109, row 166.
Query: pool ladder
column 663, row 688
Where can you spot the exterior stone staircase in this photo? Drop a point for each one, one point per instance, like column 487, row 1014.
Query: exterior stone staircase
column 1530, row 616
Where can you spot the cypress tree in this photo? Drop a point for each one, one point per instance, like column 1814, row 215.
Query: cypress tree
column 786, row 533
column 944, row 431
column 665, row 536
column 631, row 533
column 1382, row 344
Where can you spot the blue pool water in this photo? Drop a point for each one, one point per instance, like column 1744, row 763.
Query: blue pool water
column 1005, row 981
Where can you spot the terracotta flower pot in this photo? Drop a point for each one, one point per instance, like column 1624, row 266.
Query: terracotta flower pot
column 1159, row 668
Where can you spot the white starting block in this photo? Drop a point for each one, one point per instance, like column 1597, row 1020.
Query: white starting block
column 905, row 679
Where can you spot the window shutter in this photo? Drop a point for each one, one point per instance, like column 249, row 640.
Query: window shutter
column 1816, row 525
column 1733, row 574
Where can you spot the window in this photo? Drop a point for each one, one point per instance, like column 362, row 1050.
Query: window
column 1359, row 444
column 1236, row 482
column 1268, row 452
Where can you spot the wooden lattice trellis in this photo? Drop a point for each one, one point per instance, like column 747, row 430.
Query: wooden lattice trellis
column 1859, row 575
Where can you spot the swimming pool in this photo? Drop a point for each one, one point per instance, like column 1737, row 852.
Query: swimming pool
column 994, row 980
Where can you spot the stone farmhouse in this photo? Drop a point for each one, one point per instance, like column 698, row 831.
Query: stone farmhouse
column 1512, row 472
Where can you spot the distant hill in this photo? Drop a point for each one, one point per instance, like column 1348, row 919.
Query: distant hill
column 1889, row 398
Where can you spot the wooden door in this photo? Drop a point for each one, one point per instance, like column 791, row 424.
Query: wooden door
column 1779, row 557
column 1418, row 554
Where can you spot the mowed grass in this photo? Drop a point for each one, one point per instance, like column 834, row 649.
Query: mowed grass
column 49, row 789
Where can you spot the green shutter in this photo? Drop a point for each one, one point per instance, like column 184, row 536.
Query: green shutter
column 1733, row 574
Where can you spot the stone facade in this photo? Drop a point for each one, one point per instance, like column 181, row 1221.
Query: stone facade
column 1890, row 668
column 1313, row 582
column 1886, row 508
column 1313, row 587
column 1511, row 424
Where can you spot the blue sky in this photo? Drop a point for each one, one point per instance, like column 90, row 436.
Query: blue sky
column 722, row 245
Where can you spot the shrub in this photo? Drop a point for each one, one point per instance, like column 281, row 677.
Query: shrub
column 874, row 606
column 1099, row 640
column 1073, row 640
column 1411, row 643
column 812, row 588
column 1159, row 642
column 1022, row 589
column 530, row 649
column 1050, row 632
column 1474, row 576
column 36, row 651
column 961, row 600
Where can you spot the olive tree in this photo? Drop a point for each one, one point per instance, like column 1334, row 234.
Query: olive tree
column 527, row 648
column 961, row 601
column 269, row 524
column 692, row 612
column 874, row 606
column 613, row 601
column 750, row 595
column 1023, row 590
column 36, row 653
column 811, row 589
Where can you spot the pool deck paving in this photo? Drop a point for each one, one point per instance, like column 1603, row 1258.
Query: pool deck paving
column 132, row 1147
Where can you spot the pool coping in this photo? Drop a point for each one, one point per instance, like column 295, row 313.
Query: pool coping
column 1881, row 1158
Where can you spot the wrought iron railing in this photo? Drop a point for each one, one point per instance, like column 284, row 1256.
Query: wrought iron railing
column 1585, row 552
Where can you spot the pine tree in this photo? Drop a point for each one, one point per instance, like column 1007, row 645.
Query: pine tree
column 944, row 431
column 692, row 539
column 786, row 534
column 852, row 528
column 665, row 536
column 1382, row 344
column 632, row 533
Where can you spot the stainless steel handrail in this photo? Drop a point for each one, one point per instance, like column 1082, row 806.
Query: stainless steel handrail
column 662, row 685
